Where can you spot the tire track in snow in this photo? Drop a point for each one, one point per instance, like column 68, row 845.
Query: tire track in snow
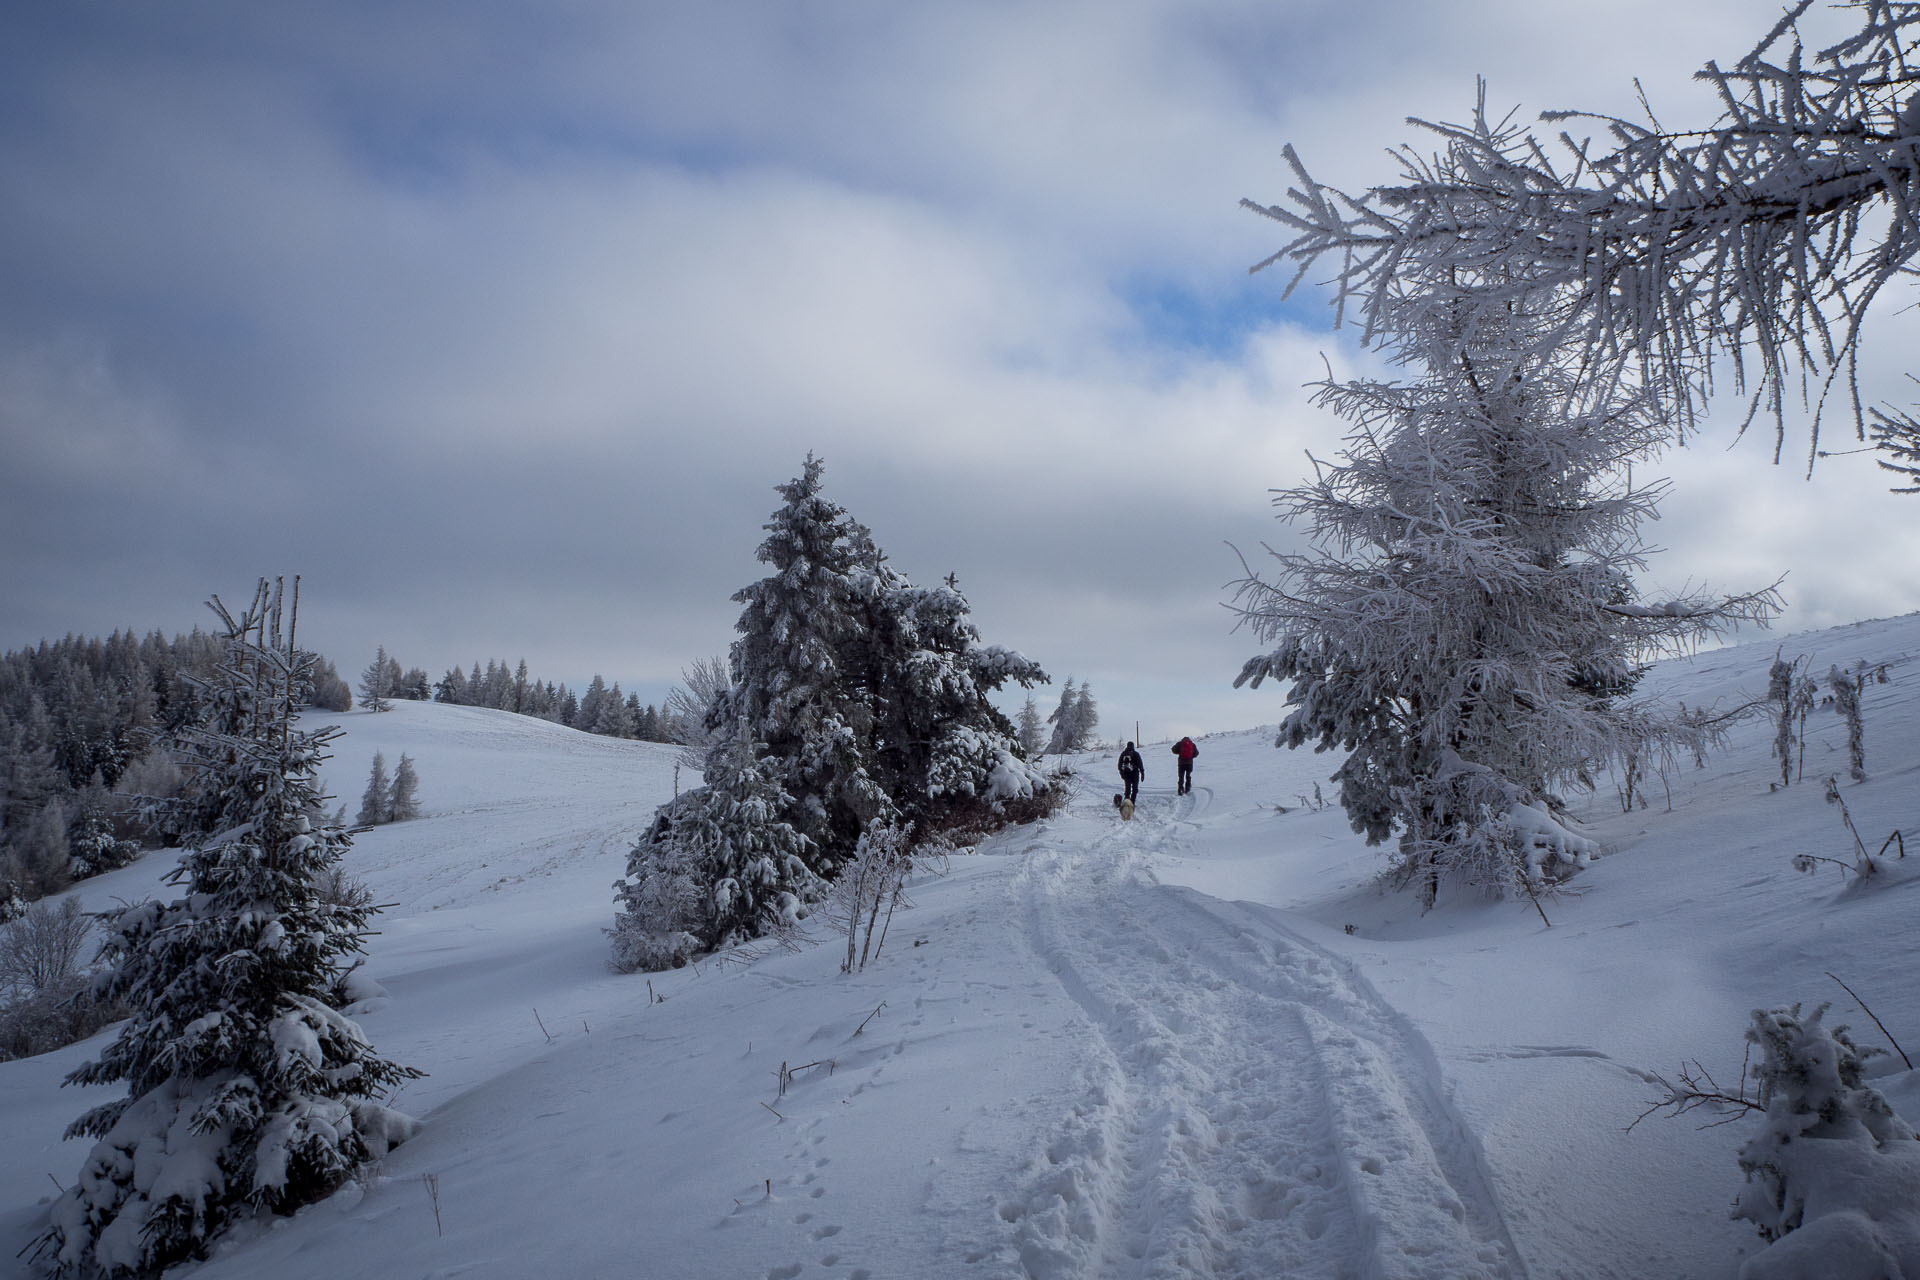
column 1251, row 1108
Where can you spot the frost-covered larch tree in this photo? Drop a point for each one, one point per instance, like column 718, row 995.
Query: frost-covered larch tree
column 376, row 683
column 1757, row 244
column 1465, row 620
column 247, row 1090
column 403, row 799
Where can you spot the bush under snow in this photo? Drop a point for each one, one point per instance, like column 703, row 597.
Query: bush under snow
column 1833, row 1177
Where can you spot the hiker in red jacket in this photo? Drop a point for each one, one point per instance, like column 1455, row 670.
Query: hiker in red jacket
column 1186, row 751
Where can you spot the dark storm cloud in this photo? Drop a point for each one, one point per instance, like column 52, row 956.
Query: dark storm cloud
column 501, row 322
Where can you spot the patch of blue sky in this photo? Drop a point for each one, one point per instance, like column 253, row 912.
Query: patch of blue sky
column 1218, row 321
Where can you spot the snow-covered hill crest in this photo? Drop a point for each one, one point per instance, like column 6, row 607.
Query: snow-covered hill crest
column 1197, row 1043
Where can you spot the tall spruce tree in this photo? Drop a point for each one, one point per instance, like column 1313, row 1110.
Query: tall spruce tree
column 247, row 1090
column 793, row 689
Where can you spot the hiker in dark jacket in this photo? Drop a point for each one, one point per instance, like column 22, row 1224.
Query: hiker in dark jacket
column 1186, row 751
column 1132, row 769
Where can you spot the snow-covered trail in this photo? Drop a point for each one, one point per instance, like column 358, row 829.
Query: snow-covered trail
column 1251, row 1106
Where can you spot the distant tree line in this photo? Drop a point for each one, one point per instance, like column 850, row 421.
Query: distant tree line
column 85, row 731
column 602, row 709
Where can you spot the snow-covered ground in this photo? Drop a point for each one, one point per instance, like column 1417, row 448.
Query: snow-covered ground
column 1194, row 1044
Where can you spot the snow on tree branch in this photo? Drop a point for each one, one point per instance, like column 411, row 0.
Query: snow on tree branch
column 1757, row 245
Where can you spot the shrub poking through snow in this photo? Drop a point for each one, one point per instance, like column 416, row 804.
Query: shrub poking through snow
column 1780, row 694
column 1833, row 1176
column 871, row 887
column 1846, row 687
column 247, row 1089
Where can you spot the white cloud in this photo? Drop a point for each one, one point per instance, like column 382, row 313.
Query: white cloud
column 501, row 324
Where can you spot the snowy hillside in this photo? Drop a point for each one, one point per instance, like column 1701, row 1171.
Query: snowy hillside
column 1198, row 1043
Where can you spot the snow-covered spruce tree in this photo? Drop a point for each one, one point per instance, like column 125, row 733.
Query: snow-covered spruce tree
column 793, row 689
column 856, row 697
column 1833, row 1176
column 376, row 800
column 247, row 1089
column 719, row 866
column 940, row 751
column 1465, row 620
column 403, row 801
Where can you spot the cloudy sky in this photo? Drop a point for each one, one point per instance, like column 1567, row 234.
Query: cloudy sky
column 500, row 322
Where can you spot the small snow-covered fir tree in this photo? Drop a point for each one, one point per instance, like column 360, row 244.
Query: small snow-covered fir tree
column 377, row 800
column 718, row 867
column 247, row 1089
column 403, row 801
column 1833, row 1176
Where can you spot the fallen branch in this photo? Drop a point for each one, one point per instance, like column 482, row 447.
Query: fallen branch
column 1697, row 1089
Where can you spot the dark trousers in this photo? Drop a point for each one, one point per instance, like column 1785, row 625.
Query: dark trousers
column 1186, row 776
column 1132, row 784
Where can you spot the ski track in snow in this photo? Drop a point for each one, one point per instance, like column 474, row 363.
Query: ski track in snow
column 1252, row 1108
